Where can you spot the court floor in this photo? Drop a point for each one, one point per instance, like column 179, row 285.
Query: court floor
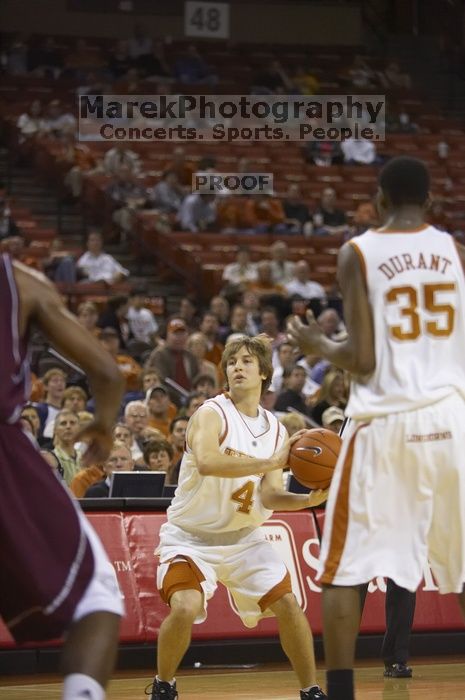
column 444, row 680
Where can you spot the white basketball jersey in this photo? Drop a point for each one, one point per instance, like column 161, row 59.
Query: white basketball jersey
column 416, row 288
column 214, row 504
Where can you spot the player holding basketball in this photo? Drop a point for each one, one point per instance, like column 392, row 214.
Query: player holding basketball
column 399, row 482
column 230, row 482
column 55, row 577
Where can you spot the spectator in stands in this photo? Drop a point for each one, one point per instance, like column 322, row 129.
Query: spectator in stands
column 210, row 327
column 284, row 358
column 30, row 122
column 136, row 417
column 30, row 414
column 65, row 431
column 158, row 455
column 251, row 303
column 194, row 401
column 365, row 217
column 54, row 381
column 140, row 45
column 129, row 368
column 149, row 378
column 333, row 392
column 242, row 271
column 160, row 409
column 332, row 419
column 271, row 79
column 291, row 396
column 188, row 309
column 174, row 361
column 219, row 307
column 282, row 269
column 74, row 399
column 191, row 68
column 142, row 324
column 263, row 213
column 197, row 212
column 118, row 60
column 59, row 265
column 328, row 219
column 205, row 384
column 298, row 219
column 183, row 168
column 120, row 157
column 305, row 82
column 167, row 195
column 331, row 324
column 119, row 460
column 97, row 266
column 393, row 77
column 8, row 228
column 293, row 422
column 114, row 315
column 155, row 65
column 264, row 285
column 87, row 314
column 361, row 75
column 323, row 153
column 126, row 195
column 359, row 152
column 57, row 121
column 238, row 322
column 302, row 286
column 80, row 159
column 177, row 437
column 197, row 344
column 269, row 324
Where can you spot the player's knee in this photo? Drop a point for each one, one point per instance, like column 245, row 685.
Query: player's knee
column 186, row 605
column 286, row 605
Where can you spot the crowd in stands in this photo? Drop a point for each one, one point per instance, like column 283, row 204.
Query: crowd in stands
column 323, row 190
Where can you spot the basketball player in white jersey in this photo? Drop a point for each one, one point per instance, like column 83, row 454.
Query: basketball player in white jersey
column 229, row 483
column 398, row 493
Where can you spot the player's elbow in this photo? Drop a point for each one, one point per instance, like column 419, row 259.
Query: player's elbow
column 205, row 464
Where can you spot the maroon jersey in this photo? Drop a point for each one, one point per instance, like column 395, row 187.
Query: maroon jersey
column 14, row 364
column 46, row 561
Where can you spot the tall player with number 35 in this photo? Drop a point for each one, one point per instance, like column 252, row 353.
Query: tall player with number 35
column 398, row 493
column 229, row 483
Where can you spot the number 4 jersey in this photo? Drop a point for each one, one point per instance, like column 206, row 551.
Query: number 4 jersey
column 416, row 289
column 212, row 504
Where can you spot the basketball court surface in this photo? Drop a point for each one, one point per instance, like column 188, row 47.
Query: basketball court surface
column 441, row 679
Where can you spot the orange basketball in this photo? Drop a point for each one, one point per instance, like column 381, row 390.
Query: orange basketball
column 313, row 457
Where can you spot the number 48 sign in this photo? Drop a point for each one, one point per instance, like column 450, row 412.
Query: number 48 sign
column 206, row 19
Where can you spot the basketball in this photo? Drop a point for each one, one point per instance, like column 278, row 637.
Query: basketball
column 313, row 457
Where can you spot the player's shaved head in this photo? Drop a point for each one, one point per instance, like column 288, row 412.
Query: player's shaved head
column 405, row 181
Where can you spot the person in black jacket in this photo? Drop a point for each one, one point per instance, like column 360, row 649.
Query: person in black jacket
column 294, row 379
column 120, row 459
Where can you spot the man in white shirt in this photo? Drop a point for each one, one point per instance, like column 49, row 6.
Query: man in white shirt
column 241, row 271
column 141, row 320
column 98, row 266
column 301, row 284
column 197, row 212
column 358, row 151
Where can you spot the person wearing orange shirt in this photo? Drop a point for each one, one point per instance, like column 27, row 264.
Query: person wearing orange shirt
column 161, row 410
column 262, row 214
column 129, row 368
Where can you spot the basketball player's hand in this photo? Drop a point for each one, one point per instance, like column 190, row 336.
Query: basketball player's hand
column 315, row 498
column 99, row 442
column 306, row 337
column 280, row 457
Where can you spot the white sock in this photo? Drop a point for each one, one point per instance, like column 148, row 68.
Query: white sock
column 171, row 682
column 77, row 686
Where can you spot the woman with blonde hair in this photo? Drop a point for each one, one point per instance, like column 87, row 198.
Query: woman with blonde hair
column 333, row 392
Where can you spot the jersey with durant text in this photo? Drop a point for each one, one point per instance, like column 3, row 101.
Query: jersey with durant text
column 416, row 289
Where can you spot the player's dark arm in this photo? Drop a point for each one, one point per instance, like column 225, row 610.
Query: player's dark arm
column 41, row 304
column 356, row 353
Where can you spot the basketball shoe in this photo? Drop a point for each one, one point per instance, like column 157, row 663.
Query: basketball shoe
column 397, row 671
column 314, row 693
column 160, row 690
